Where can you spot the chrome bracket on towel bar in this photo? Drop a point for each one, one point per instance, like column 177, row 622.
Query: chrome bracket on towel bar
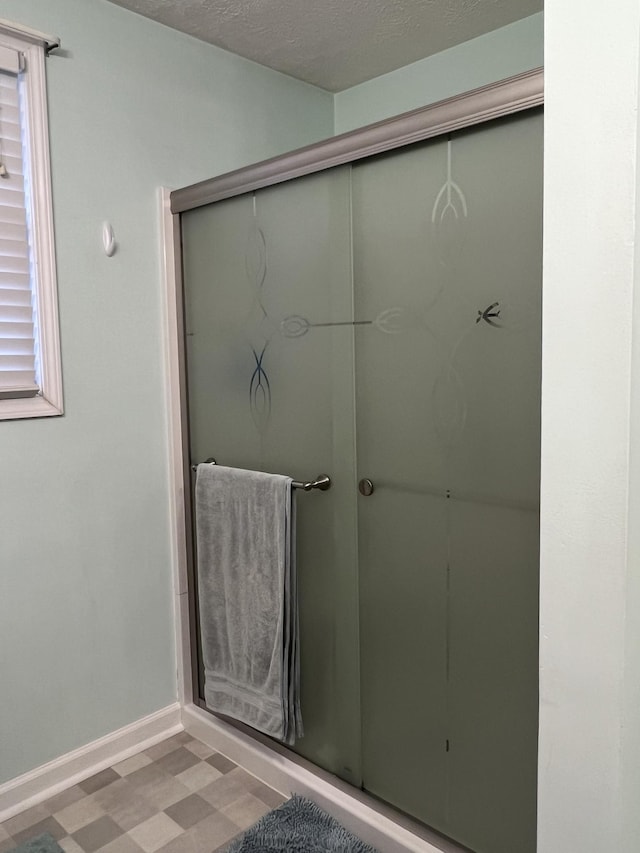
column 322, row 481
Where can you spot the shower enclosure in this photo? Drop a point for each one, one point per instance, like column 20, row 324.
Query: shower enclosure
column 379, row 320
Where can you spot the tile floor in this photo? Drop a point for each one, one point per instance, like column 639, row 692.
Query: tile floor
column 176, row 797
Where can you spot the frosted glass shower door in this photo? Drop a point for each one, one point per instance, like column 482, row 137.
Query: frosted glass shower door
column 447, row 246
column 268, row 304
column 380, row 322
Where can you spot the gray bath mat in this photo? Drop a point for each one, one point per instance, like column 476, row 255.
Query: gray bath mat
column 44, row 843
column 298, row 826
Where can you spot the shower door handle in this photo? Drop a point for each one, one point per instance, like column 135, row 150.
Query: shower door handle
column 366, row 487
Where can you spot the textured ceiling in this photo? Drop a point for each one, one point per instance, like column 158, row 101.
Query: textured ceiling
column 334, row 44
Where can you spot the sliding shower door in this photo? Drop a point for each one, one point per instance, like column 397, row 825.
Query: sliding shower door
column 268, row 289
column 447, row 262
column 380, row 322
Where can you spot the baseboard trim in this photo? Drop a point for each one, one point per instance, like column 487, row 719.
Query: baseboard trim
column 38, row 785
column 288, row 777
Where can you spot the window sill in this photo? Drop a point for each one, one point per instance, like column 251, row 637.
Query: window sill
column 29, row 407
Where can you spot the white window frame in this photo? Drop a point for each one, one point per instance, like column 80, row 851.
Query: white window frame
column 48, row 401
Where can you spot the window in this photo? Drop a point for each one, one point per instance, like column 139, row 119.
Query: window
column 30, row 373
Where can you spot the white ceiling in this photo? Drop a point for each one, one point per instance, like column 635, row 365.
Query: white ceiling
column 334, row 44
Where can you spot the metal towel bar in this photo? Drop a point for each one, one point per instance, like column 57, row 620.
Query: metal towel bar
column 322, row 481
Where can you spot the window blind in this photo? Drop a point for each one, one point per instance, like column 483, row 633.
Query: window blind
column 17, row 334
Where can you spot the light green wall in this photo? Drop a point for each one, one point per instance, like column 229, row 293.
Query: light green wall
column 499, row 54
column 86, row 630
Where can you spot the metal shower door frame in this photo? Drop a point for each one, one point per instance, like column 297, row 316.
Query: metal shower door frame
column 504, row 98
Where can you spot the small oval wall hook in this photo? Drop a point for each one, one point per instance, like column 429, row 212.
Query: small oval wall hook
column 108, row 239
